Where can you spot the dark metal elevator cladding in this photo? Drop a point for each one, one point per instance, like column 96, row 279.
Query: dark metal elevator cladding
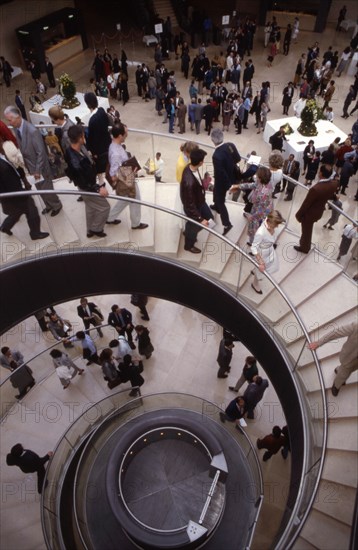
column 66, row 275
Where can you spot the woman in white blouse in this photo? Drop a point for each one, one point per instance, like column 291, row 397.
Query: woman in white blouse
column 264, row 249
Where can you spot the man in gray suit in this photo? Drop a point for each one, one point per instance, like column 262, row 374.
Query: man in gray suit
column 33, row 150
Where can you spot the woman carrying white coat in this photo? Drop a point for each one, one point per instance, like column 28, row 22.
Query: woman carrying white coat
column 264, row 248
column 65, row 367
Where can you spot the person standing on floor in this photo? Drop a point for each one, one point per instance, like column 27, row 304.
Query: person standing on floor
column 90, row 314
column 248, row 372
column 34, row 151
column 235, row 410
column 335, row 214
column 225, row 159
column 272, row 442
column 312, row 208
column 145, row 346
column 29, row 462
column 348, row 357
column 20, row 104
column 224, row 357
column 350, row 232
column 141, row 301
column 21, row 378
column 65, row 367
column 192, row 196
column 82, row 172
column 121, row 319
column 254, row 393
column 49, row 72
column 89, row 349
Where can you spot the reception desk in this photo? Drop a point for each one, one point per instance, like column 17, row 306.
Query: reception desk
column 82, row 111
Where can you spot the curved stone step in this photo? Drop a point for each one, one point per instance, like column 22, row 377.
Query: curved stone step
column 325, row 532
column 335, row 500
column 342, row 434
column 341, row 467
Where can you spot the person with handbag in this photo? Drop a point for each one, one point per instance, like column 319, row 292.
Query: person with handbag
column 145, row 346
column 90, row 314
column 123, row 179
column 65, row 367
column 21, row 378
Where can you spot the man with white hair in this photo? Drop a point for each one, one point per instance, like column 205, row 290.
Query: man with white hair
column 33, row 150
column 225, row 159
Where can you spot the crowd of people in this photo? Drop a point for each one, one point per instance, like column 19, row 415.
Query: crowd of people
column 94, row 157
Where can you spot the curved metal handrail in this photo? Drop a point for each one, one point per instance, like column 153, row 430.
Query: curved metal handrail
column 277, row 289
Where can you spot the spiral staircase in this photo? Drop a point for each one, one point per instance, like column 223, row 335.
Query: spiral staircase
column 323, row 294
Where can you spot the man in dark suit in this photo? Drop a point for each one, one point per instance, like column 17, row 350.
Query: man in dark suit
column 49, row 72
column 28, row 462
column 10, row 182
column 121, row 320
column 33, row 150
column 254, row 393
column 98, row 139
column 91, row 314
column 312, row 208
column 225, row 159
column 224, row 357
column 20, row 104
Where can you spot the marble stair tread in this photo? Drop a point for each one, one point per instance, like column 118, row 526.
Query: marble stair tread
column 309, row 273
column 335, row 500
column 340, row 432
column 12, row 248
column 328, row 364
column 335, row 305
column 323, row 531
column 167, row 227
column 316, row 330
column 189, row 257
column 341, row 467
column 303, row 544
column 217, row 251
column 344, row 405
column 144, row 238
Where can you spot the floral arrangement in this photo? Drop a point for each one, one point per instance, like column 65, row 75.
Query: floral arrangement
column 311, row 113
column 288, row 129
column 67, row 89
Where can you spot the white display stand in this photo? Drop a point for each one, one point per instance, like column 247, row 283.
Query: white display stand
column 296, row 143
column 149, row 39
column 16, row 72
column 82, row 111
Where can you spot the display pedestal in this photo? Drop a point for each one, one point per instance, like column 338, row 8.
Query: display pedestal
column 82, row 111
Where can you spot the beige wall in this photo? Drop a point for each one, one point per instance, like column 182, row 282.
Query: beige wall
column 18, row 13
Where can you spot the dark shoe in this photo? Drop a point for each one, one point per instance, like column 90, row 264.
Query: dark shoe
column 299, row 249
column 7, row 231
column 227, row 229
column 274, row 196
column 331, row 228
column 141, row 226
column 81, row 371
column 231, row 388
column 115, row 222
column 250, row 416
column 222, row 376
column 46, row 210
column 99, row 233
column 222, row 417
column 193, row 250
column 41, row 235
column 132, row 345
column 335, row 391
column 100, row 333
column 55, row 212
column 89, row 363
column 80, row 199
column 145, row 318
column 213, row 207
column 287, row 199
column 90, row 234
column 257, row 291
column 134, row 393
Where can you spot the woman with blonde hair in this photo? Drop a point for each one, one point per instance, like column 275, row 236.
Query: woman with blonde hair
column 264, row 248
column 275, row 164
column 184, row 158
